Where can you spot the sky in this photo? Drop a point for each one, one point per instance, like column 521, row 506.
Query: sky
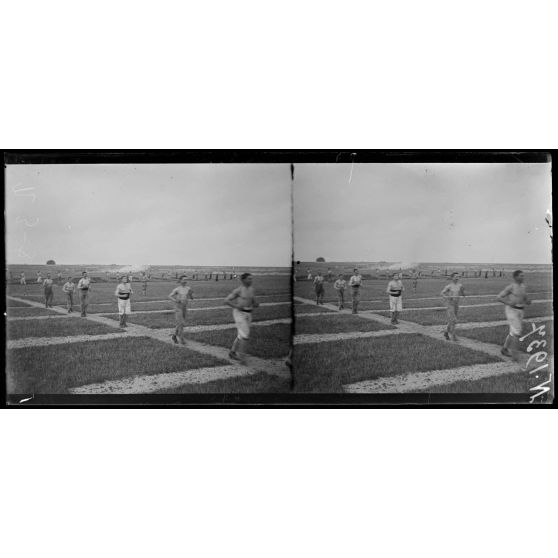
column 461, row 213
column 149, row 214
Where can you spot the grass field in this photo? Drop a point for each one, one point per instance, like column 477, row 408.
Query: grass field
column 498, row 334
column 367, row 349
column 62, row 327
column 412, row 353
column 57, row 368
column 29, row 312
column 208, row 317
column 320, row 369
column 256, row 383
column 508, row 383
column 334, row 323
column 273, row 341
column 54, row 369
column 311, row 309
column 472, row 314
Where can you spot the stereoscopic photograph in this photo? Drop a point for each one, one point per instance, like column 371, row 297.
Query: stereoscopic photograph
column 348, row 281
column 424, row 279
column 147, row 279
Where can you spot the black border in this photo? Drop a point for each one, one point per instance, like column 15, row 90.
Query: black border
column 286, row 400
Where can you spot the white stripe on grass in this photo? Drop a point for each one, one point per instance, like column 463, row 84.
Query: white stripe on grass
column 150, row 383
column 418, row 381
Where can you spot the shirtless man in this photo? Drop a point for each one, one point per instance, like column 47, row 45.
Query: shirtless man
column 69, row 288
column 415, row 277
column 355, row 282
column 84, row 286
column 395, row 289
column 319, row 287
column 515, row 298
column 451, row 293
column 340, row 285
column 49, row 293
column 144, row 284
column 23, row 281
column 243, row 301
column 124, row 292
column 180, row 296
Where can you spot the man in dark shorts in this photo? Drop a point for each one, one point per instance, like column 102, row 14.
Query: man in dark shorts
column 180, row 296
column 49, row 293
column 319, row 287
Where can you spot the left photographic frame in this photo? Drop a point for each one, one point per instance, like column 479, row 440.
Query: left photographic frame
column 137, row 281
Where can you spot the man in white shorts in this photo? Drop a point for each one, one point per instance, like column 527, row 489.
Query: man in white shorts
column 243, row 301
column 355, row 282
column 515, row 298
column 452, row 293
column 124, row 292
column 395, row 290
column 180, row 296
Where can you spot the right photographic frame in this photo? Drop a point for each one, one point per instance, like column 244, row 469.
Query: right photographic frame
column 422, row 277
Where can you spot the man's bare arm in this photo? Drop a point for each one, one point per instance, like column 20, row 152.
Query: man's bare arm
column 229, row 301
column 502, row 297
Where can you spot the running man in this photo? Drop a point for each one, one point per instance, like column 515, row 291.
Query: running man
column 395, row 289
column 243, row 301
column 23, row 281
column 124, row 292
column 84, row 286
column 69, row 288
column 451, row 293
column 144, row 284
column 355, row 282
column 49, row 293
column 319, row 287
column 180, row 296
column 39, row 278
column 329, row 275
column 340, row 285
column 515, row 298
column 415, row 277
